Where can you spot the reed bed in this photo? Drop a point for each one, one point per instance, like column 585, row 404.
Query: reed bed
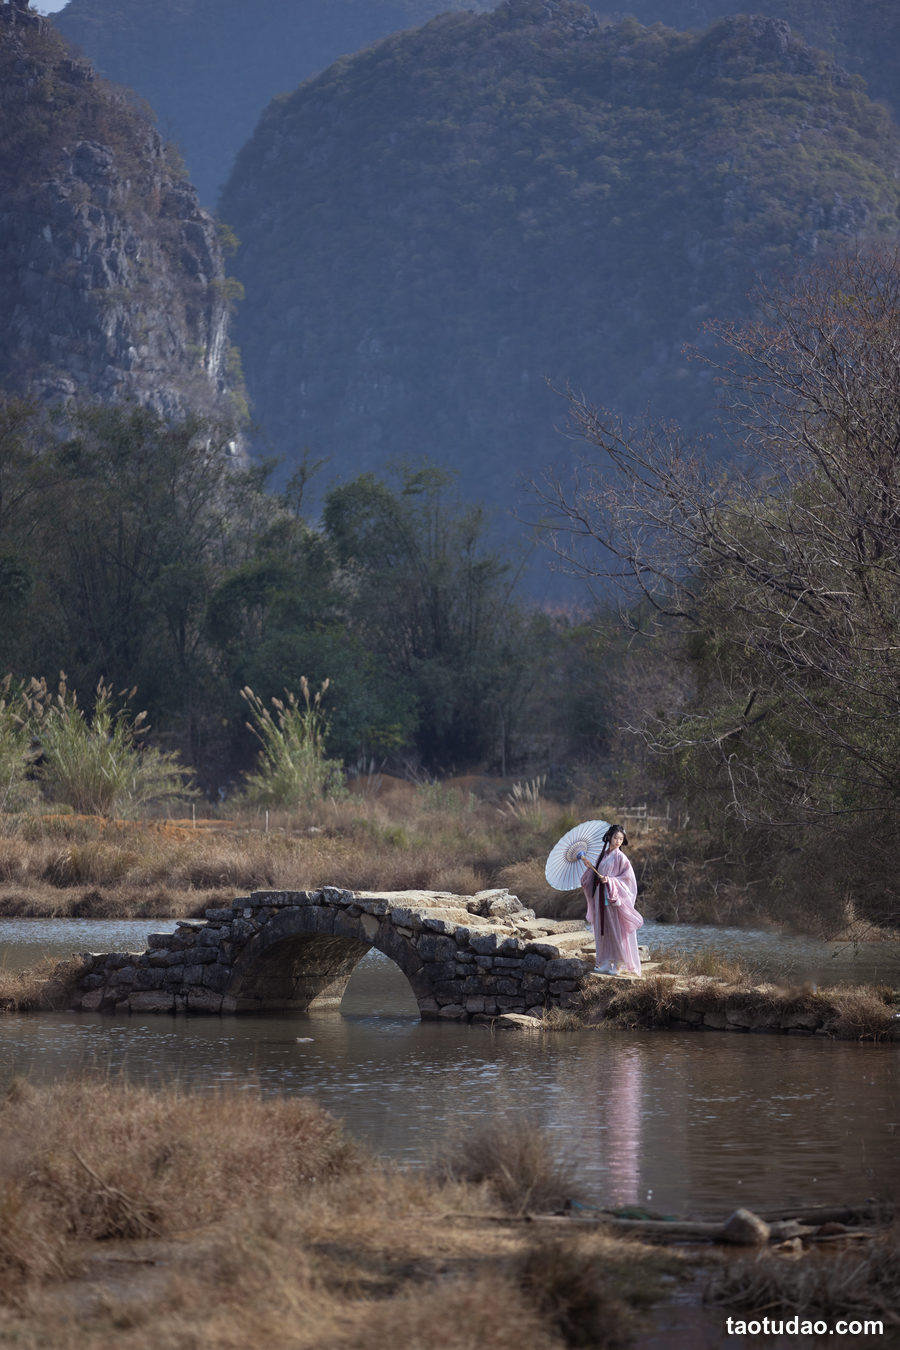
column 227, row 1220
column 862, row 1282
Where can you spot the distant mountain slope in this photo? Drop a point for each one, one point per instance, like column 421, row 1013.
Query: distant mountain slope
column 434, row 226
column 111, row 276
column 864, row 35
column 209, row 67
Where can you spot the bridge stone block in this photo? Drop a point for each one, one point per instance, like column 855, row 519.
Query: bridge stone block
column 216, row 977
column 332, row 895
column 242, row 929
column 545, row 949
column 431, row 947
column 344, row 923
column 159, row 940
column 202, row 956
column 404, row 917
column 485, row 943
column 438, row 925
column 435, row 971
column 157, row 1001
column 124, row 977
column 566, row 967
column 204, row 1000
column 534, row 964
column 149, row 978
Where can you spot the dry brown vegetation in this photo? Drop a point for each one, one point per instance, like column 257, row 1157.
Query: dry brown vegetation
column 44, row 987
column 403, row 836
column 462, row 835
column 225, row 1221
column 519, row 1164
column 682, row 986
column 862, row 1282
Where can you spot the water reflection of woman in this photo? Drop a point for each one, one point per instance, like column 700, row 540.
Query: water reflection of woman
column 610, row 889
column 622, row 1148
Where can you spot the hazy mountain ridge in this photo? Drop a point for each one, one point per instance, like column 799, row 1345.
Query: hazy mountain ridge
column 209, row 67
column 111, row 276
column 863, row 35
column 435, row 226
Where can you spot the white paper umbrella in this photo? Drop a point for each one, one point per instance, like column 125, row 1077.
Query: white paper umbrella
column 564, row 869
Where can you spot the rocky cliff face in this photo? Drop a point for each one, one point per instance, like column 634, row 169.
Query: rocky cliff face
column 112, row 282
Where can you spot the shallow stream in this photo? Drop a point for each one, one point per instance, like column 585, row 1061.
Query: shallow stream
column 680, row 1122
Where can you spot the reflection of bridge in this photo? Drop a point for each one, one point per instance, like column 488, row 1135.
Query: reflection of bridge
column 465, row 957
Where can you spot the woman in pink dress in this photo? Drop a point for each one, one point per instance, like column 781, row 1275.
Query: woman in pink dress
column 610, row 891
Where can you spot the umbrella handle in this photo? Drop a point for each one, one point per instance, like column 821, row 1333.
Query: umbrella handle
column 590, row 865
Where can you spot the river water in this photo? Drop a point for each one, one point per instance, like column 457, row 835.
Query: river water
column 679, row 1122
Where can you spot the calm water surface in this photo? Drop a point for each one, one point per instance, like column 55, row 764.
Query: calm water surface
column 684, row 1123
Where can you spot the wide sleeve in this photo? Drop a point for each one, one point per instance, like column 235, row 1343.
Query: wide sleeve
column 623, row 891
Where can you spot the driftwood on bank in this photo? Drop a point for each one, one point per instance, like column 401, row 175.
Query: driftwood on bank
column 742, row 1228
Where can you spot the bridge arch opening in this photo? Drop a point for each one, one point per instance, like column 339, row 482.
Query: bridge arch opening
column 289, row 965
column 378, row 988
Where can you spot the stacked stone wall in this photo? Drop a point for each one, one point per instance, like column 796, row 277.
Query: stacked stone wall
column 466, row 957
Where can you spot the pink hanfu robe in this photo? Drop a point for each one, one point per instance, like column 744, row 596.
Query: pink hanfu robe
column 620, row 920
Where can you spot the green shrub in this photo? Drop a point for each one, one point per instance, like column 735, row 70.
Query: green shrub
column 99, row 767
column 292, row 769
column 17, row 789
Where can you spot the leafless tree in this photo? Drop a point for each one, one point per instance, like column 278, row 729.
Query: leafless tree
column 784, row 565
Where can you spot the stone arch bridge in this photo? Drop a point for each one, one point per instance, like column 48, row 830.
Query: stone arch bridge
column 465, row 957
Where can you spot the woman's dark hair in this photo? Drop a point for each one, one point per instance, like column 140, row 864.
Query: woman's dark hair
column 607, row 838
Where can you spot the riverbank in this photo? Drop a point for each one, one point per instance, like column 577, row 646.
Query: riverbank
column 662, row 1000
column 710, row 994
column 227, row 1220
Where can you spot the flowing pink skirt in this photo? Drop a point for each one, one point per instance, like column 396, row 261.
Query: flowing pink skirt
column 617, row 943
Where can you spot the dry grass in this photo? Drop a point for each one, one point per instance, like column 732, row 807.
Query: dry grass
column 862, row 1014
column 665, row 999
column 429, row 836
column 518, row 1164
column 47, row 986
column 706, row 962
column 167, row 1220
column 860, row 1282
